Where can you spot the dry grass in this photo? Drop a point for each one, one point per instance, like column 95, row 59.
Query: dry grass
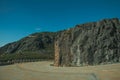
column 43, row 71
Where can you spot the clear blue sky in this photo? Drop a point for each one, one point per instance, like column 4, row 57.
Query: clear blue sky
column 19, row 18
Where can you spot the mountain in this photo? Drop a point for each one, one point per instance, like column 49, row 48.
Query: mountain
column 85, row 44
column 38, row 42
column 37, row 45
column 89, row 44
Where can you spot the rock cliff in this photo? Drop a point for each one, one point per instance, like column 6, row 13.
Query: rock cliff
column 89, row 44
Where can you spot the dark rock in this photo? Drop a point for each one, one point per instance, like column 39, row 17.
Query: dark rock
column 89, row 44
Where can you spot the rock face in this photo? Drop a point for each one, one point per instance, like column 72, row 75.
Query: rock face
column 89, row 44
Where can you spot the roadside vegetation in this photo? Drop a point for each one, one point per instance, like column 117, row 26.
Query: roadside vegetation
column 27, row 56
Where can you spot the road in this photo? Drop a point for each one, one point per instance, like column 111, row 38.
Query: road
column 43, row 71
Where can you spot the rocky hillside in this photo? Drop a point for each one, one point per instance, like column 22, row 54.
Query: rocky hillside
column 35, row 42
column 89, row 44
column 37, row 45
column 85, row 44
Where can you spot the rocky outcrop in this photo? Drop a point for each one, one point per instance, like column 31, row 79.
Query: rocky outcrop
column 89, row 44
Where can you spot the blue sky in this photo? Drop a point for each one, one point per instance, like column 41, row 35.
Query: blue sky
column 19, row 18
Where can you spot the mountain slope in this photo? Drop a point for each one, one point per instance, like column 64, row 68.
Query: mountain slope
column 35, row 42
column 37, row 45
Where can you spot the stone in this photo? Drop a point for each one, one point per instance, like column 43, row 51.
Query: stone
column 89, row 44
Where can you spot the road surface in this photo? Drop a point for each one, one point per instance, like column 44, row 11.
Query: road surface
column 43, row 71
